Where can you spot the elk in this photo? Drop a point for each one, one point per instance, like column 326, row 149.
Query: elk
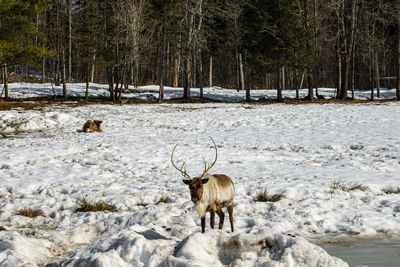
column 92, row 126
column 209, row 192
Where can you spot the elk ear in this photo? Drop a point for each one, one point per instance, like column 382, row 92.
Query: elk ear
column 185, row 181
column 204, row 181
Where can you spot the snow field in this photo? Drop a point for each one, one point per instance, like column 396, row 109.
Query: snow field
column 298, row 151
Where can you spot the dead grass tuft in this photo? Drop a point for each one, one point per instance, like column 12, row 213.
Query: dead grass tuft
column 347, row 188
column 85, row 206
column 142, row 203
column 163, row 200
column 28, row 212
column 392, row 191
column 263, row 196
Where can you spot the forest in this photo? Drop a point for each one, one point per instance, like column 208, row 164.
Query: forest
column 238, row 44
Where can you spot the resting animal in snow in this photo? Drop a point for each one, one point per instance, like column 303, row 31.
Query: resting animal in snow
column 92, row 126
column 210, row 193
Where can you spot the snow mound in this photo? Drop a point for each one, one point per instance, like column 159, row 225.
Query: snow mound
column 23, row 126
column 18, row 250
column 35, row 122
column 136, row 246
column 221, row 249
column 141, row 246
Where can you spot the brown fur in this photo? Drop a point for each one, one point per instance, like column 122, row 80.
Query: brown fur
column 197, row 186
column 209, row 192
column 92, row 126
column 223, row 180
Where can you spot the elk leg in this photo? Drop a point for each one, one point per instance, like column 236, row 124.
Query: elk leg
column 221, row 218
column 203, row 224
column 230, row 211
column 212, row 218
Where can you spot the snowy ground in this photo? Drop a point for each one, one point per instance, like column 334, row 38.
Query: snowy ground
column 300, row 151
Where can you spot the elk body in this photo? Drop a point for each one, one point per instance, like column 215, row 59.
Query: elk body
column 210, row 193
column 92, row 126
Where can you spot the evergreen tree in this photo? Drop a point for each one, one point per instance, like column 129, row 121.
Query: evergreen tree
column 19, row 35
column 18, row 31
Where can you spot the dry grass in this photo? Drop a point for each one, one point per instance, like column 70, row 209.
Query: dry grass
column 263, row 196
column 41, row 102
column 347, row 188
column 85, row 206
column 163, row 200
column 142, row 203
column 392, row 191
column 28, row 212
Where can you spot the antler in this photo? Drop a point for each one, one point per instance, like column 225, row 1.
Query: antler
column 182, row 170
column 207, row 169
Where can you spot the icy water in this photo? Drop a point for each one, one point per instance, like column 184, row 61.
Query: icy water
column 367, row 253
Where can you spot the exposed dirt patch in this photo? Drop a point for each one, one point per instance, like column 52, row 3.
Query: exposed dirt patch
column 39, row 102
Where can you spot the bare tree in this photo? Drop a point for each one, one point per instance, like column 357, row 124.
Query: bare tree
column 398, row 51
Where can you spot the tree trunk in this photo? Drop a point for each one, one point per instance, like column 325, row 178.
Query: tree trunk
column 5, row 82
column 119, row 82
column 339, row 75
column 87, row 82
column 242, row 87
column 43, row 71
column 54, row 90
column 110, row 77
column 176, row 74
column 186, row 77
column 316, row 84
column 92, row 75
column 69, row 11
column 178, row 63
column 349, row 51
column 200, row 72
column 310, row 95
column 398, row 51
column 193, row 78
column 57, row 70
column 372, row 78
column 377, row 77
column 238, row 73
column 211, row 72
column 301, row 85
column 161, row 68
column 278, row 85
column 353, row 75
column 64, row 74
column 246, row 77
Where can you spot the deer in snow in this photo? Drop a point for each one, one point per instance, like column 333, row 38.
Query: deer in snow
column 209, row 192
column 92, row 126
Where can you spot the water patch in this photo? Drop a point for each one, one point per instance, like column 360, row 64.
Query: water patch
column 373, row 253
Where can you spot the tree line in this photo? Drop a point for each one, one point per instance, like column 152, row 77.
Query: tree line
column 241, row 44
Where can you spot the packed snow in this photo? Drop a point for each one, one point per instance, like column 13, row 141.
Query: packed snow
column 304, row 152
